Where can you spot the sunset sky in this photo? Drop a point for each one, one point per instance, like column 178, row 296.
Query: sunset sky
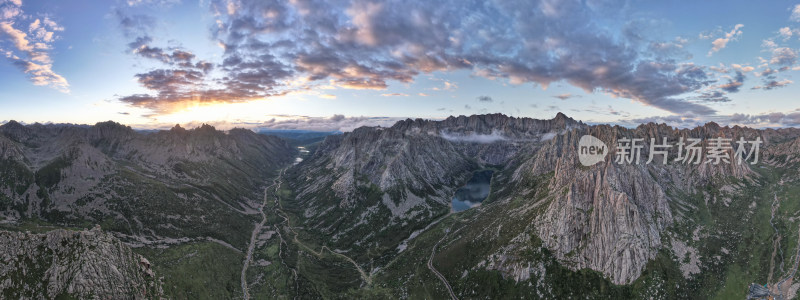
column 335, row 65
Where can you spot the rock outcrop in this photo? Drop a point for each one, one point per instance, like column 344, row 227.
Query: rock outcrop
column 611, row 217
column 89, row 264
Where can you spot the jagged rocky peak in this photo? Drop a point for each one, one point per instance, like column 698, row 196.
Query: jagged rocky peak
column 565, row 121
column 15, row 131
column 109, row 130
column 241, row 132
column 205, row 133
column 112, row 125
column 206, row 128
column 12, row 124
column 177, row 128
column 712, row 125
column 491, row 123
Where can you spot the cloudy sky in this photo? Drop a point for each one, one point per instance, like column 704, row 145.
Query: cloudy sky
column 334, row 65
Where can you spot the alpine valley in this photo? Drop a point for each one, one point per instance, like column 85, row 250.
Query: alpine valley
column 109, row 212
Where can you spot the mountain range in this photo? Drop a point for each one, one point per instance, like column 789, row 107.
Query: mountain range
column 203, row 213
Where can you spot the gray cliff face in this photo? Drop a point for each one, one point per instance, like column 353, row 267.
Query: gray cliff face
column 784, row 154
column 89, row 264
column 611, row 217
column 607, row 217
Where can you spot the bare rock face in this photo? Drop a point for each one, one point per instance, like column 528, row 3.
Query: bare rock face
column 611, row 217
column 607, row 218
column 89, row 264
column 785, row 153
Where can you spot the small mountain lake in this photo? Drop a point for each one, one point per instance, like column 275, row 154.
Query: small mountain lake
column 474, row 192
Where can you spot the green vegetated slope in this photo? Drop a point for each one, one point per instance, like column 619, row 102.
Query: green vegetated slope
column 202, row 270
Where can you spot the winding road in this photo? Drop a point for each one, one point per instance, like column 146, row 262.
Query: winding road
column 441, row 277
